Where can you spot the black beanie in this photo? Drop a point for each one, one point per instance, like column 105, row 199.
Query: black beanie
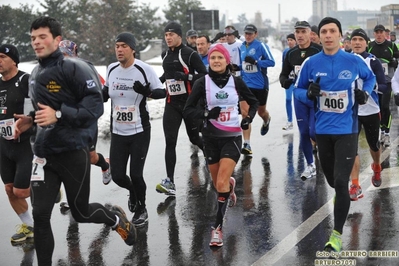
column 291, row 36
column 11, row 51
column 328, row 20
column 127, row 38
column 360, row 33
column 174, row 27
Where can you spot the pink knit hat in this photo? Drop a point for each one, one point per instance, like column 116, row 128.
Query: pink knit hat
column 220, row 48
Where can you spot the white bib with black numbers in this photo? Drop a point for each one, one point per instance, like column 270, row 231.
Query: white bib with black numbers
column 38, row 168
column 249, row 68
column 125, row 114
column 7, row 128
column 334, row 101
column 175, row 87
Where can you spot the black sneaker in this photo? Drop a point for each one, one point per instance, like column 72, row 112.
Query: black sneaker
column 140, row 217
column 132, row 202
column 125, row 228
column 64, row 208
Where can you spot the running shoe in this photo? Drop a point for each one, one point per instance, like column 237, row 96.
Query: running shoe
column 167, row 187
column 246, row 149
column 265, row 127
column 107, row 174
column 310, row 171
column 376, row 178
column 382, row 137
column 387, row 140
column 140, row 218
column 334, row 243
column 355, row 192
column 124, row 228
column 288, row 126
column 64, row 208
column 216, row 237
column 132, row 202
column 233, row 196
column 23, row 232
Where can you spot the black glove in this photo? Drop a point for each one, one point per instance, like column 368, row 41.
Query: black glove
column 393, row 63
column 141, row 89
column 235, row 67
column 214, row 113
column 250, row 60
column 245, row 122
column 396, row 97
column 287, row 83
column 217, row 37
column 361, row 96
column 314, row 89
column 180, row 76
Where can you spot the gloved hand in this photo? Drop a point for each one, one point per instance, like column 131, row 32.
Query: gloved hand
column 314, row 89
column 361, row 96
column 245, row 122
column 214, row 112
column 393, row 63
column 180, row 76
column 235, row 67
column 217, row 37
column 140, row 88
column 287, row 83
column 250, row 59
column 396, row 97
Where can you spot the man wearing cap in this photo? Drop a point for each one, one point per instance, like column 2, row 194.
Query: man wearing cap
column 388, row 54
column 233, row 44
column 66, row 94
column 329, row 79
column 256, row 58
column 304, row 108
column 368, row 114
column 191, row 37
column 347, row 44
column 15, row 153
column 128, row 84
column 182, row 66
column 393, row 39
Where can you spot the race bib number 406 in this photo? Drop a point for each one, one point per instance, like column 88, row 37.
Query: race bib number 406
column 334, row 101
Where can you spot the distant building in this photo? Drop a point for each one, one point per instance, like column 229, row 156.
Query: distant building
column 353, row 19
column 322, row 8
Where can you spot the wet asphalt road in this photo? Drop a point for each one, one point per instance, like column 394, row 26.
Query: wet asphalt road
column 278, row 220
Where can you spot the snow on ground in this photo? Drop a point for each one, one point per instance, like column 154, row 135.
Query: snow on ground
column 156, row 107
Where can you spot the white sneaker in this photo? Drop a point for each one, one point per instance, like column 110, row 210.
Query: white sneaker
column 310, row 171
column 288, row 126
column 107, row 174
column 387, row 140
column 382, row 137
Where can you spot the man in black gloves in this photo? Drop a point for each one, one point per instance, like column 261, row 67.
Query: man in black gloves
column 129, row 82
column 182, row 66
column 387, row 52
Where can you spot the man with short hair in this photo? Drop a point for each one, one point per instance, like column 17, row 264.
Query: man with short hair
column 347, row 44
column 233, row 44
column 314, row 34
column 191, row 38
column 256, row 58
column 392, row 36
column 66, row 95
column 388, row 54
column 304, row 108
column 15, row 152
column 203, row 45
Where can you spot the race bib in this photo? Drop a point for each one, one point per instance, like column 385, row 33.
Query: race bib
column 38, row 168
column 7, row 128
column 249, row 68
column 125, row 114
column 175, row 87
column 334, row 101
column 297, row 69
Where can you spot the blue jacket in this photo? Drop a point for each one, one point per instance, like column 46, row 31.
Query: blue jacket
column 336, row 109
column 255, row 76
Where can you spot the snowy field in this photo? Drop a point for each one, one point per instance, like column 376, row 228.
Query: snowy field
column 156, row 107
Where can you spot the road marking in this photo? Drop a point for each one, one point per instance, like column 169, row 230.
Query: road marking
column 277, row 252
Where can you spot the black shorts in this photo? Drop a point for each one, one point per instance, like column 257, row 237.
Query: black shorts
column 261, row 95
column 226, row 147
column 371, row 125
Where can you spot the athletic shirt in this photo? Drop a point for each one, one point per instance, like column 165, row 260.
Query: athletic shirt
column 385, row 52
column 129, row 110
column 337, row 111
column 14, row 99
column 228, row 122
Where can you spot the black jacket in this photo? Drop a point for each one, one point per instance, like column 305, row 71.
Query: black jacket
column 71, row 86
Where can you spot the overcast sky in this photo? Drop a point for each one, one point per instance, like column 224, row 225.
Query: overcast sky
column 302, row 9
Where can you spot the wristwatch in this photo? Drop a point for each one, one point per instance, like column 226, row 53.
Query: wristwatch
column 58, row 114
